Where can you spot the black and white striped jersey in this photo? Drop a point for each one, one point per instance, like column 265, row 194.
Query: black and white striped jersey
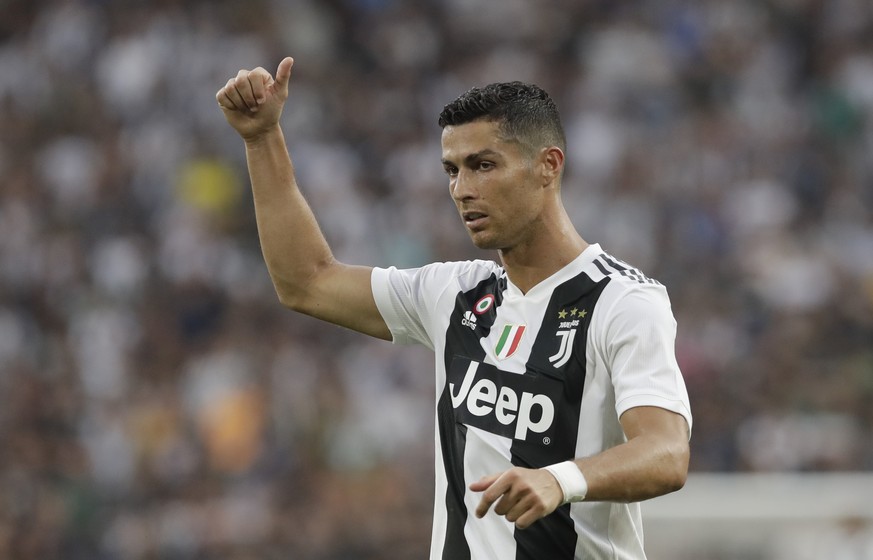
column 531, row 380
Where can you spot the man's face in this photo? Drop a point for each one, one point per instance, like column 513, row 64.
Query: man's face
column 493, row 183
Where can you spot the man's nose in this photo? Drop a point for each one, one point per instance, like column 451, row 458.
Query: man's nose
column 462, row 186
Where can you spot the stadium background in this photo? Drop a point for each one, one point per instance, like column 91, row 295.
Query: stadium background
column 155, row 400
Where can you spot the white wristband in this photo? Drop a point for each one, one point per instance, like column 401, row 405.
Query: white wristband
column 570, row 479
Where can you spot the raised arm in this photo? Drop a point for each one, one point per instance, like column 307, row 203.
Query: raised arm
column 305, row 274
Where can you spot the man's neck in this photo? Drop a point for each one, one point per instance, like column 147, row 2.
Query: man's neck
column 529, row 265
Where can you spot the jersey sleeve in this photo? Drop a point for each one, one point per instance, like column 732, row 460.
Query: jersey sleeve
column 640, row 336
column 398, row 295
column 417, row 302
column 408, row 299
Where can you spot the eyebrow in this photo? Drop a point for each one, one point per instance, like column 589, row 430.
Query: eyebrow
column 474, row 156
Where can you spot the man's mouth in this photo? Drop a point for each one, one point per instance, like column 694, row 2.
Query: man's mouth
column 474, row 219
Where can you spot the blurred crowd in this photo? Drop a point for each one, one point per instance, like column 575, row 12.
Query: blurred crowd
column 157, row 402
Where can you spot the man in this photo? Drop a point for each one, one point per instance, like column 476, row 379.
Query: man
column 561, row 404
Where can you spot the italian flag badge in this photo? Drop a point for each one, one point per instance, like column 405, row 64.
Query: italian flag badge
column 508, row 342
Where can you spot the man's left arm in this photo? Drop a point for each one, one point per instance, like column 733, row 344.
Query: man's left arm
column 652, row 462
column 637, row 336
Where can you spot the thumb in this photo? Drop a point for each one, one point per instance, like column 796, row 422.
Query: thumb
column 483, row 483
column 283, row 73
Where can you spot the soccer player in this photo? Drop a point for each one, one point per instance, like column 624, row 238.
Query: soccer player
column 561, row 404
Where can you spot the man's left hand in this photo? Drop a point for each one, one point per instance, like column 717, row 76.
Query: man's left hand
column 522, row 495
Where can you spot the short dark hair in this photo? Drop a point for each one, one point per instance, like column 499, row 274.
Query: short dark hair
column 525, row 112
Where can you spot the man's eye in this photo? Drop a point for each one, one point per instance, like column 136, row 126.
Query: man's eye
column 451, row 171
column 486, row 165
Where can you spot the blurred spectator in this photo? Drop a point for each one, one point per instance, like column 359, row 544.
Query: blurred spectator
column 158, row 403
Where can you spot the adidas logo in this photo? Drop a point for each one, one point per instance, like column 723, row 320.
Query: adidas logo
column 469, row 320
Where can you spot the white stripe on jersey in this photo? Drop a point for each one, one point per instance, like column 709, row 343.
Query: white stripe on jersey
column 486, row 454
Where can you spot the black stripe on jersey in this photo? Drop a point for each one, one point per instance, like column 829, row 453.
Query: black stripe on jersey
column 602, row 268
column 626, row 270
column 570, row 309
column 462, row 338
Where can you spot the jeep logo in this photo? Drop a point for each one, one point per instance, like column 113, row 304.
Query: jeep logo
column 503, row 403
